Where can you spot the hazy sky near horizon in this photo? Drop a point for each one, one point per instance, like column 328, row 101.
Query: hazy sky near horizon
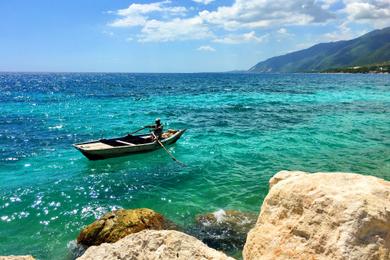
column 172, row 36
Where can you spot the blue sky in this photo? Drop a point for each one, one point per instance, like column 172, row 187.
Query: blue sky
column 172, row 36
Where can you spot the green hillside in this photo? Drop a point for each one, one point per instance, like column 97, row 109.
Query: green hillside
column 371, row 48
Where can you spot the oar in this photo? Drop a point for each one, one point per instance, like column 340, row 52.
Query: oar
column 168, row 152
column 137, row 130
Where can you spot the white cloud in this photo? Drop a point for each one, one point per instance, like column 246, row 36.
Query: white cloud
column 138, row 9
column 176, row 29
column 368, row 10
column 135, row 14
column 163, row 21
column 283, row 32
column 129, row 21
column 206, row 48
column 326, row 4
column 242, row 14
column 164, row 26
column 263, row 13
column 241, row 38
column 343, row 32
column 206, row 2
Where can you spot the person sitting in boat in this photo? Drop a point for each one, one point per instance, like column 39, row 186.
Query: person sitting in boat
column 157, row 128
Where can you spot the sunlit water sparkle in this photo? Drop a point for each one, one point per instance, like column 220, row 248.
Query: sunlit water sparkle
column 242, row 129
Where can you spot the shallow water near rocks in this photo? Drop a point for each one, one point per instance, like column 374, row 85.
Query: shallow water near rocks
column 242, row 129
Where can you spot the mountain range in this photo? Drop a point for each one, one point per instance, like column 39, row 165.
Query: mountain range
column 373, row 47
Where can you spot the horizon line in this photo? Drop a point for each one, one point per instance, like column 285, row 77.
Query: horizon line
column 124, row 72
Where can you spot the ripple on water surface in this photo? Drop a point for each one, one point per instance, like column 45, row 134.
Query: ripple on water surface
column 242, row 130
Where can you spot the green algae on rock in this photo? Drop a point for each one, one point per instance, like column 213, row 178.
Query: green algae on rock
column 120, row 223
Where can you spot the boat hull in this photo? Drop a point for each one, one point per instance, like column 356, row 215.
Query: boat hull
column 112, row 152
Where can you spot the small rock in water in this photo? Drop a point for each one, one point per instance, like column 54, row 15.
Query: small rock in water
column 224, row 229
column 120, row 223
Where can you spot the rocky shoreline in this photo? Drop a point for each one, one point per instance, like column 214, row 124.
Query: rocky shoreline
column 304, row 216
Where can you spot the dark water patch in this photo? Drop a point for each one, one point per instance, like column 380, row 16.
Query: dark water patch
column 224, row 230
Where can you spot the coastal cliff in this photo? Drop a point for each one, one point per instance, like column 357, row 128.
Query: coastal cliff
column 322, row 216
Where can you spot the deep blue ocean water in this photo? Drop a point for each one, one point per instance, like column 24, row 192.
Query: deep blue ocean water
column 242, row 129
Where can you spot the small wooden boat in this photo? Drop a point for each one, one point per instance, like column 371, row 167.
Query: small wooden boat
column 129, row 144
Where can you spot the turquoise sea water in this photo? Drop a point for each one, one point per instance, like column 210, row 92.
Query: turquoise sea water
column 242, row 129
